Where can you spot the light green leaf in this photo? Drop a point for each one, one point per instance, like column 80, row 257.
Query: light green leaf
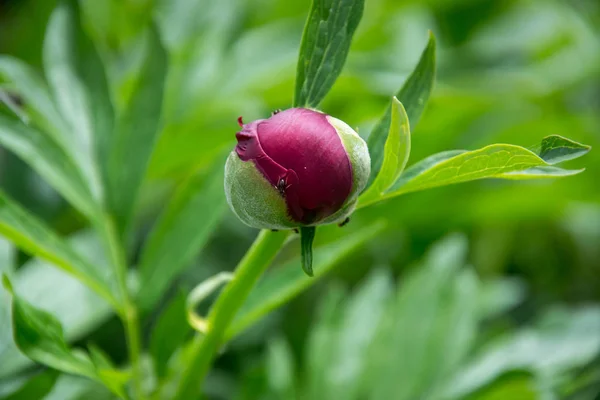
column 32, row 236
column 39, row 335
column 494, row 161
column 38, row 102
column 137, row 129
column 61, row 62
column 561, row 340
column 396, row 153
column 7, row 256
column 181, row 232
column 169, row 333
column 325, row 43
column 79, row 309
column 413, row 95
column 71, row 387
column 35, row 388
column 540, row 172
column 322, row 341
column 360, row 316
column 49, row 160
column 417, row 348
column 414, row 171
column 500, row 295
column 286, row 282
column 280, row 368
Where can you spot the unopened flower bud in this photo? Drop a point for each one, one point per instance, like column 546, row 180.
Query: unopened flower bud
column 298, row 168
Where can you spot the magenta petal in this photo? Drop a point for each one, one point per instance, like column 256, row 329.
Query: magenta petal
column 303, row 141
column 301, row 154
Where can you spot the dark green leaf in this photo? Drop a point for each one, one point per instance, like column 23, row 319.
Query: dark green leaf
column 396, row 153
column 136, row 132
column 168, row 334
column 107, row 373
column 286, row 282
column 31, row 235
column 556, row 149
column 307, row 236
column 49, row 160
column 39, row 335
column 413, row 95
column 35, row 388
column 181, row 232
column 325, row 44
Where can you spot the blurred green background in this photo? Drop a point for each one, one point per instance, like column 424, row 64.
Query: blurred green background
column 509, row 71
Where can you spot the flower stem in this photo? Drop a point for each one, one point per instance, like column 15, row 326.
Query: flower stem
column 203, row 349
column 129, row 313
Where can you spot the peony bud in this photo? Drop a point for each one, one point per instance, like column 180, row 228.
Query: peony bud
column 298, row 168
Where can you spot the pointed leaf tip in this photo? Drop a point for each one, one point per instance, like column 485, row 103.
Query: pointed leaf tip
column 307, row 236
column 6, row 283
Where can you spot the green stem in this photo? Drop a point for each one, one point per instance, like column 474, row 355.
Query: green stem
column 203, row 349
column 129, row 315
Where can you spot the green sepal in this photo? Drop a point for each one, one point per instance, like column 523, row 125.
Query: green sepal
column 307, row 236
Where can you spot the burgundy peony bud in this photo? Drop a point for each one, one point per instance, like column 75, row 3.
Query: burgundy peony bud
column 298, row 168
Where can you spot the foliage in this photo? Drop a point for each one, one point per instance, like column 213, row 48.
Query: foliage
column 133, row 113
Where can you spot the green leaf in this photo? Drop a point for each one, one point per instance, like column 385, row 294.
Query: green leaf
column 70, row 387
column 76, row 104
column 561, row 340
column 137, row 129
column 556, row 149
column 7, row 256
column 181, row 232
column 169, row 333
column 322, row 341
column 307, row 236
column 35, row 388
column 49, row 160
column 39, row 335
column 494, row 161
column 286, row 282
column 79, row 309
column 396, row 153
column 38, row 102
column 280, row 368
column 32, row 236
column 417, row 348
column 346, row 365
column 107, row 373
column 325, row 43
column 414, row 95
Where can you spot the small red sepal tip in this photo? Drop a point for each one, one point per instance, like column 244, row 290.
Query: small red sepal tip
column 240, row 122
